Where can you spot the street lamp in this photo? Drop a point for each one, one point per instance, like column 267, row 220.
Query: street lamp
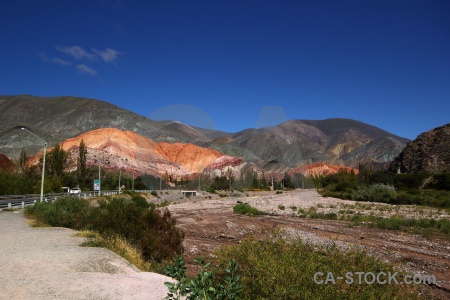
column 43, row 161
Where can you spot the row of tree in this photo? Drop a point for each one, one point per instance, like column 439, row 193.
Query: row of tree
column 27, row 179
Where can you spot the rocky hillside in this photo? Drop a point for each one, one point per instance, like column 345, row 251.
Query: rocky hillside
column 56, row 119
column 321, row 168
column 293, row 143
column 429, row 152
column 306, row 141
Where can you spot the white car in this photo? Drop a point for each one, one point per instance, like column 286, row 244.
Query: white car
column 75, row 191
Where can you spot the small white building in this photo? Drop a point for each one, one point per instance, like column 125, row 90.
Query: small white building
column 189, row 193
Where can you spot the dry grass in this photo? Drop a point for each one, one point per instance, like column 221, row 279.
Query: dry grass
column 121, row 247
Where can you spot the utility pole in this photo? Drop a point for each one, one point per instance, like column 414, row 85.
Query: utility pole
column 43, row 161
column 120, row 175
column 132, row 184
column 100, row 182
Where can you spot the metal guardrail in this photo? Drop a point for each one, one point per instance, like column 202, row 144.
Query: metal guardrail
column 15, row 201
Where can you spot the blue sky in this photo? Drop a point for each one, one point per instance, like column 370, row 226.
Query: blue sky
column 232, row 65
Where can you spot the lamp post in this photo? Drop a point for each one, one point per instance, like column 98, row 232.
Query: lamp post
column 43, row 161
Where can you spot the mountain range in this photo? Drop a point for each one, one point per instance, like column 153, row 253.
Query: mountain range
column 292, row 144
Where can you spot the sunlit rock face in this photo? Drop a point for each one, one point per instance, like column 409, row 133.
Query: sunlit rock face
column 115, row 149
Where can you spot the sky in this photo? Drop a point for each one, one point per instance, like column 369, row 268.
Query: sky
column 231, row 65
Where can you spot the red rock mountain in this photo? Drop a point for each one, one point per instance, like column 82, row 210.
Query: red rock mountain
column 5, row 163
column 122, row 149
column 322, row 168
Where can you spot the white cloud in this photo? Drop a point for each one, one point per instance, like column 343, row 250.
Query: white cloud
column 55, row 60
column 59, row 61
column 86, row 70
column 108, row 55
column 76, row 52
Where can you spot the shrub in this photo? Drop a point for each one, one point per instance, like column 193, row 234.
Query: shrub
column 268, row 268
column 140, row 201
column 440, row 182
column 204, row 285
column 151, row 231
column 245, row 209
column 154, row 193
column 375, row 193
column 71, row 212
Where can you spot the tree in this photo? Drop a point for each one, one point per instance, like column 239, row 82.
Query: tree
column 81, row 164
column 287, row 183
column 22, row 159
column 57, row 158
column 365, row 173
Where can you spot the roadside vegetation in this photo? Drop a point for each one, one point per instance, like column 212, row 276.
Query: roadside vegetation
column 116, row 223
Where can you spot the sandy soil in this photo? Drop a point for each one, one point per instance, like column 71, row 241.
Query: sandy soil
column 47, row 263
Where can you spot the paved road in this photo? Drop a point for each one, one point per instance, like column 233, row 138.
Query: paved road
column 47, row 263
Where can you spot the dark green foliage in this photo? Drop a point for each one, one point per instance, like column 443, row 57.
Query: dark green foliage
column 365, row 173
column 382, row 177
column 409, row 181
column 204, row 285
column 343, row 176
column 71, row 212
column 140, row 201
column 245, row 209
column 82, row 171
column 408, row 188
column 56, row 161
column 287, row 183
column 150, row 230
column 440, row 182
column 13, row 183
column 22, row 160
column 154, row 193
column 221, row 183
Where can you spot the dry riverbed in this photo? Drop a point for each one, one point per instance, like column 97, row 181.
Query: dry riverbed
column 210, row 223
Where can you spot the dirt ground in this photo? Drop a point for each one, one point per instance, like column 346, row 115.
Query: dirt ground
column 208, row 222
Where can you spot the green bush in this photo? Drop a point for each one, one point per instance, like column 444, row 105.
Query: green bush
column 245, row 209
column 440, row 182
column 71, row 212
column 151, row 231
column 205, row 285
column 375, row 193
column 277, row 269
column 140, row 201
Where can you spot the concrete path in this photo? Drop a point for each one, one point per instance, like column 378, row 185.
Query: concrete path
column 48, row 263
